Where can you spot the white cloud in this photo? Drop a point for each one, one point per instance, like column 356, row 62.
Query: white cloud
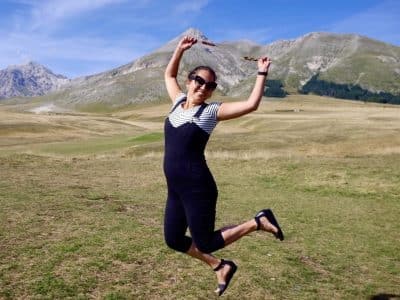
column 32, row 35
column 46, row 13
column 19, row 48
column 190, row 6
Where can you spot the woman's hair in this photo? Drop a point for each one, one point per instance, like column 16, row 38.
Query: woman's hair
column 194, row 71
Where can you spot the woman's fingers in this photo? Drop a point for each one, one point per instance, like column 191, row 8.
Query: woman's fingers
column 187, row 42
column 189, row 39
column 264, row 59
column 264, row 62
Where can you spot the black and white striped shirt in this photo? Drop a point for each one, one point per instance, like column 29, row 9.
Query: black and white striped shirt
column 207, row 120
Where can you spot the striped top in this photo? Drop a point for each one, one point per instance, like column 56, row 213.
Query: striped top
column 207, row 120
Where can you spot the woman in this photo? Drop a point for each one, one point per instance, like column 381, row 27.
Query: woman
column 192, row 192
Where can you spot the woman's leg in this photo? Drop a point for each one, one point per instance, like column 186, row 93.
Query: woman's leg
column 175, row 224
column 200, row 214
column 199, row 210
column 175, row 227
column 213, row 262
column 231, row 234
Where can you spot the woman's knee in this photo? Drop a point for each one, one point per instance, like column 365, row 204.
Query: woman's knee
column 204, row 245
column 205, row 248
column 209, row 243
column 181, row 244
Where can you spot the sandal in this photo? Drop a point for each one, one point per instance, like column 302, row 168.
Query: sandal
column 267, row 213
column 223, row 286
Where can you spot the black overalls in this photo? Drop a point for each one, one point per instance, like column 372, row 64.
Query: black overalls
column 192, row 192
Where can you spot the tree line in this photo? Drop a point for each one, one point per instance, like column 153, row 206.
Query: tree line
column 275, row 88
column 346, row 91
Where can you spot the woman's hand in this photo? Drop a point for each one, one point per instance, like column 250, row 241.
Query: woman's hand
column 263, row 64
column 186, row 42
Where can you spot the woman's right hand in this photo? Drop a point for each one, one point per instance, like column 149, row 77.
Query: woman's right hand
column 187, row 42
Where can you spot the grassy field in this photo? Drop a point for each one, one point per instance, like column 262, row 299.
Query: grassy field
column 82, row 198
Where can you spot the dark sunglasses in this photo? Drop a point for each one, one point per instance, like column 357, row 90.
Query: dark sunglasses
column 211, row 85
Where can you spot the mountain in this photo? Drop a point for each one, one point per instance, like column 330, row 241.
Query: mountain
column 31, row 79
column 321, row 63
column 341, row 60
column 344, row 60
column 143, row 79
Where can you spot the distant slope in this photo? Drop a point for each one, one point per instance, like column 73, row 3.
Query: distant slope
column 31, row 79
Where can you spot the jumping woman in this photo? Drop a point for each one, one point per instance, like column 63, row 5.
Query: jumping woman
column 192, row 192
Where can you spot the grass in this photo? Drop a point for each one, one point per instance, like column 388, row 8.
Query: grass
column 82, row 217
column 100, row 145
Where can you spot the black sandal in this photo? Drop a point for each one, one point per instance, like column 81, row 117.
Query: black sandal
column 223, row 286
column 271, row 218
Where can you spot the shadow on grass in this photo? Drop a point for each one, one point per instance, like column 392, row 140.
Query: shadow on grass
column 384, row 296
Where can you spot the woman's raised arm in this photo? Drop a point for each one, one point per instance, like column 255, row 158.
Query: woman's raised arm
column 171, row 72
column 233, row 110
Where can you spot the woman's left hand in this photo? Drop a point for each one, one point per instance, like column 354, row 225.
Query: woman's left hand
column 263, row 64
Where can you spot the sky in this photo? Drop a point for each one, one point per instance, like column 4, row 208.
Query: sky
column 83, row 37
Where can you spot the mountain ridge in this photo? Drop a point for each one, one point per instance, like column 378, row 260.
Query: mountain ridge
column 343, row 59
column 30, row 79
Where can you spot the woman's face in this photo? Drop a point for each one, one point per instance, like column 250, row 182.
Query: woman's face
column 198, row 93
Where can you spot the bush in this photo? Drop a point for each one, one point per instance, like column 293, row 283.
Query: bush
column 274, row 88
column 346, row 91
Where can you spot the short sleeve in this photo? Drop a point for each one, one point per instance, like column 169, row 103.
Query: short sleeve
column 179, row 98
column 212, row 109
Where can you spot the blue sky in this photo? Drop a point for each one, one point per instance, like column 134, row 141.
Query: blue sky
column 83, row 37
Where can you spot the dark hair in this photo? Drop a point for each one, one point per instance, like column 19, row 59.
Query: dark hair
column 194, row 71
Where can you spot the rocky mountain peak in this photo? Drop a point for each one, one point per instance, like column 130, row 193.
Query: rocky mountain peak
column 194, row 33
column 33, row 67
column 30, row 79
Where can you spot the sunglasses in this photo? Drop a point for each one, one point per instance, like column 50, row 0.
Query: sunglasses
column 211, row 85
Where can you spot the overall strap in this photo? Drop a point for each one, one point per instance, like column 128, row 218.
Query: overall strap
column 178, row 103
column 198, row 113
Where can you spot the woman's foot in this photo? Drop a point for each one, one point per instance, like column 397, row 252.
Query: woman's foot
column 224, row 271
column 266, row 221
column 265, row 225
